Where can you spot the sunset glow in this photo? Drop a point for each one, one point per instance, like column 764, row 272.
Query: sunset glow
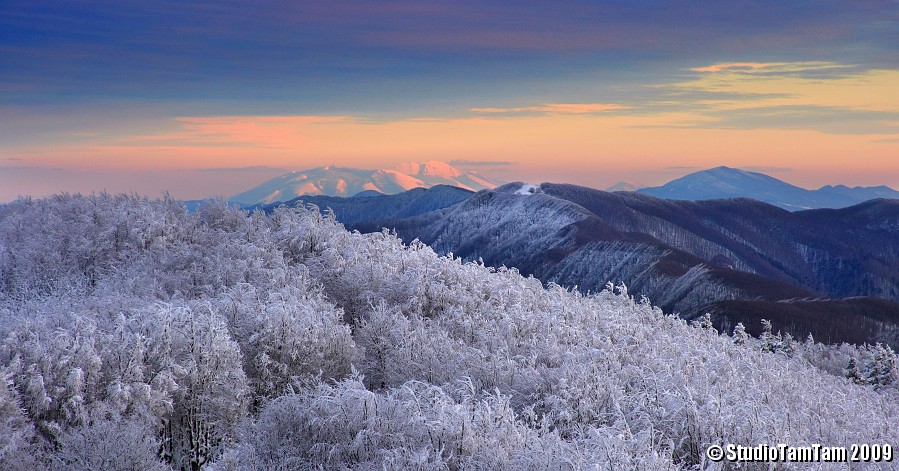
column 581, row 108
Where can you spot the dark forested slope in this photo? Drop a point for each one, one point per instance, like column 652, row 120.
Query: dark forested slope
column 683, row 255
column 362, row 209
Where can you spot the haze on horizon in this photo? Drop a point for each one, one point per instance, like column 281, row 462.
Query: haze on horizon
column 201, row 99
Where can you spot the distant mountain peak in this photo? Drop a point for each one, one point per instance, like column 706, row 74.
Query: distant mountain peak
column 332, row 180
column 624, row 186
column 434, row 168
column 727, row 182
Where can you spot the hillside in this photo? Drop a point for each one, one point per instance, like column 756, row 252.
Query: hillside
column 128, row 325
column 840, row 253
column 685, row 256
column 362, row 208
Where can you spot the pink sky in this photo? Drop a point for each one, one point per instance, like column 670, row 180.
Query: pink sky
column 808, row 131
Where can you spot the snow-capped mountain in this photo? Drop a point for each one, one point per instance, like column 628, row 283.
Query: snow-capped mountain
column 340, row 181
column 726, row 182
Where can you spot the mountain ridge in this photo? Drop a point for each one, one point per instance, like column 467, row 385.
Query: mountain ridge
column 735, row 258
column 726, row 182
column 354, row 210
column 343, row 181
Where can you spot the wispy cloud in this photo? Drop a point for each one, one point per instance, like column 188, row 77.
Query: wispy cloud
column 772, row 67
column 764, row 169
column 555, row 108
column 832, row 120
column 274, row 132
column 827, row 97
column 481, row 163
column 737, row 66
column 251, row 168
column 29, row 168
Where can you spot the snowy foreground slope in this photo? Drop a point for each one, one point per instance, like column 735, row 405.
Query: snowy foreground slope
column 138, row 336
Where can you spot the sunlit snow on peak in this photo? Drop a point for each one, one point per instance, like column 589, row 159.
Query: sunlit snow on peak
column 527, row 189
column 339, row 181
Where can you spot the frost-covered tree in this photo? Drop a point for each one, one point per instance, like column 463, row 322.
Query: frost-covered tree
column 880, row 365
column 769, row 342
column 418, row 426
column 108, row 441
column 740, row 335
column 19, row 450
column 704, row 322
column 195, row 354
column 852, row 373
column 228, row 340
column 288, row 335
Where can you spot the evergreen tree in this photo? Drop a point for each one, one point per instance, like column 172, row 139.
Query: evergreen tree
column 879, row 368
column 851, row 372
column 740, row 335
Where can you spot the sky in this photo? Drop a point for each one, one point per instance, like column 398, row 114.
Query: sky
column 203, row 98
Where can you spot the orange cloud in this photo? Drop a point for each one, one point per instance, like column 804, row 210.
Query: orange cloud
column 737, row 66
column 745, row 85
column 783, row 67
column 585, row 143
column 596, row 150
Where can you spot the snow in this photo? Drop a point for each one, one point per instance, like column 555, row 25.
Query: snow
column 432, row 168
column 339, row 335
column 440, row 169
column 527, row 189
column 338, row 181
column 404, row 181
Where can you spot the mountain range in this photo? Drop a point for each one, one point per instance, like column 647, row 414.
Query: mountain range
column 726, row 182
column 714, row 183
column 739, row 245
column 364, row 208
column 340, row 181
column 828, row 272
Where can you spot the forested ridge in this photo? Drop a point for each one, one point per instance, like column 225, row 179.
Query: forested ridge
column 137, row 335
column 835, row 268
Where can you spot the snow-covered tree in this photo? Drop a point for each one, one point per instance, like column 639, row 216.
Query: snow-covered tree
column 289, row 335
column 19, row 448
column 880, row 365
column 852, row 372
column 740, row 335
column 196, row 353
column 228, row 340
column 108, row 441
